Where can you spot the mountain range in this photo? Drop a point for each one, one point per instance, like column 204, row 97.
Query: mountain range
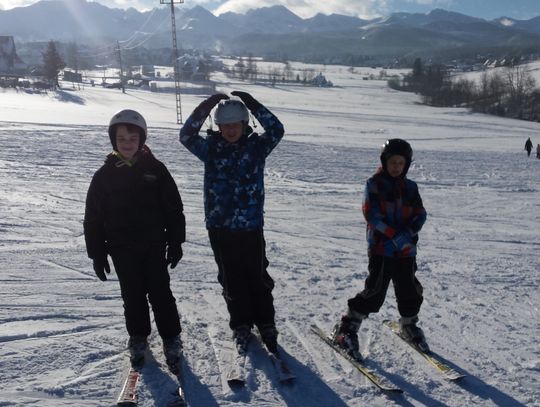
column 272, row 32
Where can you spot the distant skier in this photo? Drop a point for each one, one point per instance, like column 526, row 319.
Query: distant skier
column 395, row 214
column 538, row 151
column 234, row 160
column 134, row 213
column 528, row 146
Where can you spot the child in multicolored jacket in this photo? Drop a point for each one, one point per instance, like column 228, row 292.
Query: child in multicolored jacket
column 394, row 214
column 234, row 160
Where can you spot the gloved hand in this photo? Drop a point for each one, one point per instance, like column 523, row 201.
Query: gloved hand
column 402, row 239
column 248, row 100
column 101, row 265
column 206, row 106
column 174, row 254
column 215, row 99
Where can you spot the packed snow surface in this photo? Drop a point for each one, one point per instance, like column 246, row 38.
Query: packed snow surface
column 62, row 334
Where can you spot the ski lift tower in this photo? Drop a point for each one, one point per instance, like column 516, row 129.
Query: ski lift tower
column 175, row 62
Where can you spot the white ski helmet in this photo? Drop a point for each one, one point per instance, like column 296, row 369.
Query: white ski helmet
column 231, row 111
column 127, row 116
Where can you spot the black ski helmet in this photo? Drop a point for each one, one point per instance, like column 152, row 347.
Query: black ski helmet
column 396, row 146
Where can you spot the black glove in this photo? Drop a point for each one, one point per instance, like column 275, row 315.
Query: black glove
column 206, row 106
column 101, row 265
column 214, row 100
column 174, row 254
column 248, row 100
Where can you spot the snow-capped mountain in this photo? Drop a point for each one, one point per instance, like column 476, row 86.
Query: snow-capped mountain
column 276, row 19
column 532, row 25
column 268, row 31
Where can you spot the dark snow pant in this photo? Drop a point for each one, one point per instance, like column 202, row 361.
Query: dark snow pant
column 247, row 286
column 382, row 270
column 144, row 277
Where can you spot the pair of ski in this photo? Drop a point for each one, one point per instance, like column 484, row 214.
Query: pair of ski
column 380, row 382
column 236, row 373
column 128, row 395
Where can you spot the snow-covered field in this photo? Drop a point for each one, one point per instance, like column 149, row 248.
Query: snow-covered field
column 532, row 69
column 62, row 336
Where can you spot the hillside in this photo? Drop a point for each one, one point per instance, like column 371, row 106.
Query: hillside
column 270, row 32
column 62, row 335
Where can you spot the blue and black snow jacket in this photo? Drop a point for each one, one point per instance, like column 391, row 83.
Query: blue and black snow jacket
column 394, row 213
column 234, row 172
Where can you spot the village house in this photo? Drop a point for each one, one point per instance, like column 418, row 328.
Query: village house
column 10, row 63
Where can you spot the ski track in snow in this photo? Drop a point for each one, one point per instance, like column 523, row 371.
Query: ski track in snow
column 62, row 335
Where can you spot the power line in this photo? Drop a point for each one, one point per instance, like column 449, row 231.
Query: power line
column 141, row 27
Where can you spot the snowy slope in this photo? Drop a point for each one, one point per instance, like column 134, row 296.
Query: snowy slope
column 61, row 330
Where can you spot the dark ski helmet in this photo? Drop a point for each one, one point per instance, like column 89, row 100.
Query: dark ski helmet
column 127, row 116
column 396, row 146
column 231, row 111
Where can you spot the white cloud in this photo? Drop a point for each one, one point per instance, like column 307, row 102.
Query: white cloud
column 9, row 4
column 308, row 8
column 434, row 3
column 141, row 5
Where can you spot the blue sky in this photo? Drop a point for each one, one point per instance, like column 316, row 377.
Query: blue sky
column 489, row 9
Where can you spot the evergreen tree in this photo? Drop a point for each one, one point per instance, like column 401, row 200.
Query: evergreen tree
column 52, row 64
column 418, row 68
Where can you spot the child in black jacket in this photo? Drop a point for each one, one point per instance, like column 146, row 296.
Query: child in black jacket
column 134, row 213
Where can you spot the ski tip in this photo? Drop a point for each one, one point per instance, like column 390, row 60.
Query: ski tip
column 177, row 403
column 392, row 390
column 236, row 383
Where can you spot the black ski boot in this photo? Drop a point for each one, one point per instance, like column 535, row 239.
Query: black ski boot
column 172, row 349
column 410, row 332
column 269, row 335
column 137, row 347
column 241, row 337
column 345, row 334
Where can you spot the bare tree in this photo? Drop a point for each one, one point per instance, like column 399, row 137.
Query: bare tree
column 72, row 56
column 288, row 72
column 251, row 68
column 520, row 85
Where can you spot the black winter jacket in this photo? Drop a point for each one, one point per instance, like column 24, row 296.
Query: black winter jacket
column 132, row 206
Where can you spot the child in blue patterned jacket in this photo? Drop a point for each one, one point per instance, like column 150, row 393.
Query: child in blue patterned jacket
column 394, row 213
column 234, row 160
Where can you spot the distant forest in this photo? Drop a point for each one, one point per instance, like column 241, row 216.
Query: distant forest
column 509, row 91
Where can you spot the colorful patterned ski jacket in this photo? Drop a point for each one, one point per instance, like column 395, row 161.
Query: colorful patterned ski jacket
column 234, row 172
column 394, row 213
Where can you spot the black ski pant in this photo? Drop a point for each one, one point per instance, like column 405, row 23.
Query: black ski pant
column 247, row 286
column 144, row 278
column 382, row 270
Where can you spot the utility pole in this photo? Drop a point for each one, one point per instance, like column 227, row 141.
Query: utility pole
column 121, row 67
column 175, row 62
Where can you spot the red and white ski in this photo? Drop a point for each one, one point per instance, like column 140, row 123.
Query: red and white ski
column 128, row 395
